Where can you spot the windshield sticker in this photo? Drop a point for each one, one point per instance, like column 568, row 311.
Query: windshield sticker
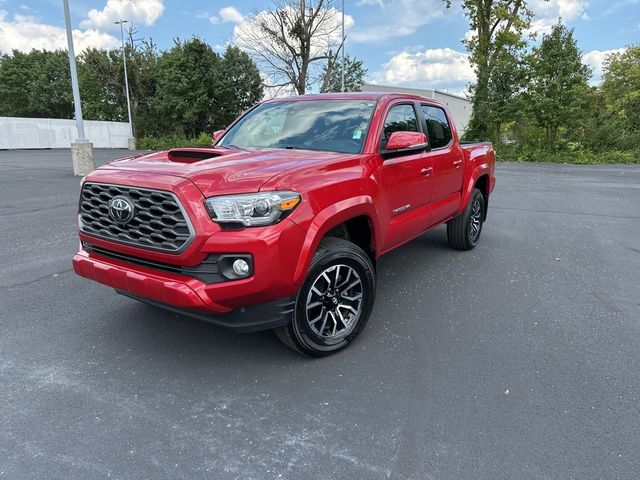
column 357, row 134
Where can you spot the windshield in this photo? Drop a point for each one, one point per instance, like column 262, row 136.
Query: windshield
column 330, row 125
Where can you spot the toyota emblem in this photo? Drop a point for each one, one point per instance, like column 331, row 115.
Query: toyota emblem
column 121, row 209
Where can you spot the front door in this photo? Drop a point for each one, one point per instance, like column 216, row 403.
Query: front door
column 406, row 180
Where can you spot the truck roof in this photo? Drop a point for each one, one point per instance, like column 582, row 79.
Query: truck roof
column 355, row 96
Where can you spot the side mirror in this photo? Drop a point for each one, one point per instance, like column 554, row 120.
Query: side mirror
column 215, row 136
column 399, row 141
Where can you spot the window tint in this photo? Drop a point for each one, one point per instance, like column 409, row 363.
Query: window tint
column 437, row 126
column 331, row 125
column 401, row 118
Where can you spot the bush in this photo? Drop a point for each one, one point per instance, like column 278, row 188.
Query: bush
column 173, row 140
column 571, row 154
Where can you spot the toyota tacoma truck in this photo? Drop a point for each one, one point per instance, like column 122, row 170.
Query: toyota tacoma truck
column 280, row 223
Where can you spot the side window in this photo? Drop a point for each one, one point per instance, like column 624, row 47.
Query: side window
column 438, row 127
column 401, row 118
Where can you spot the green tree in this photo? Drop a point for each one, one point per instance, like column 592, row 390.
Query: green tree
column 495, row 25
column 504, row 91
column 240, row 87
column 101, row 89
column 354, row 75
column 558, row 89
column 143, row 87
column 188, row 76
column 35, row 84
column 621, row 89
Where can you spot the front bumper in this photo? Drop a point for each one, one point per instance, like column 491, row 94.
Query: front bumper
column 264, row 316
column 181, row 295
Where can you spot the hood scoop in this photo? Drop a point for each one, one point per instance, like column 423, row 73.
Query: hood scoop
column 192, row 155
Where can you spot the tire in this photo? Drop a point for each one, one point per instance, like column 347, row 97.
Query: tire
column 334, row 302
column 463, row 232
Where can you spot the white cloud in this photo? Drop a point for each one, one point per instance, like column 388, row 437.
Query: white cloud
column 145, row 12
column 595, row 59
column 24, row 33
column 230, row 14
column 547, row 13
column 403, row 17
column 431, row 68
column 225, row 14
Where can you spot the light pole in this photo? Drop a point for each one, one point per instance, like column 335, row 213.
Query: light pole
column 343, row 46
column 81, row 149
column 132, row 140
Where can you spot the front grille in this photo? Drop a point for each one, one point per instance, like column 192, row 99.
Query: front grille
column 158, row 222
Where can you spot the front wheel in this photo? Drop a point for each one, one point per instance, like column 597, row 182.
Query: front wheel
column 463, row 232
column 334, row 302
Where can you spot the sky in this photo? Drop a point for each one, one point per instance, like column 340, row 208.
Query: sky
column 414, row 43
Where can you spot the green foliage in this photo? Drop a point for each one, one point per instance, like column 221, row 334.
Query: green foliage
column 621, row 90
column 240, row 90
column 535, row 104
column 498, row 27
column 354, row 75
column 575, row 155
column 173, row 140
column 102, row 85
column 188, row 76
column 558, row 91
column 185, row 90
column 504, row 99
column 35, row 84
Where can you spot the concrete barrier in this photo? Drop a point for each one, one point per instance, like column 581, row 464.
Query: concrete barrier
column 17, row 133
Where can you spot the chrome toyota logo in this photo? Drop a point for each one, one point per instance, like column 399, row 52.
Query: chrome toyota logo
column 121, row 209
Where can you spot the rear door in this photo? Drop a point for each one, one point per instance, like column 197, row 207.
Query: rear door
column 446, row 159
column 405, row 179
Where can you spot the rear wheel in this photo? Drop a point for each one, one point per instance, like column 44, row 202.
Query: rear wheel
column 335, row 301
column 463, row 232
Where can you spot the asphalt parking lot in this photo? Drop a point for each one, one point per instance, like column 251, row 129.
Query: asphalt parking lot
column 519, row 359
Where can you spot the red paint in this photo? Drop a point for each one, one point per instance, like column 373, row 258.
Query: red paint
column 402, row 195
column 405, row 140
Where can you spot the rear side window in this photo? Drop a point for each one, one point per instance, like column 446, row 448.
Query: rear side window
column 401, row 118
column 438, row 127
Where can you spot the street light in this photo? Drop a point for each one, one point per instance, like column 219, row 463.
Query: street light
column 132, row 141
column 81, row 149
column 343, row 46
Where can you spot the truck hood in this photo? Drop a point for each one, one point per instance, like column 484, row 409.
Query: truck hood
column 222, row 170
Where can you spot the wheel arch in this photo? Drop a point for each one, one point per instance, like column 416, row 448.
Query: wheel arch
column 480, row 178
column 353, row 213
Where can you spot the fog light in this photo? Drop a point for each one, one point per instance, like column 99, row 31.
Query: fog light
column 241, row 267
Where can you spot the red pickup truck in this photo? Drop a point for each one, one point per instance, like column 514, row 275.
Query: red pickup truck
column 279, row 224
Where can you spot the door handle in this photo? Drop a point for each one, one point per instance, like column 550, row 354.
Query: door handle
column 457, row 163
column 426, row 171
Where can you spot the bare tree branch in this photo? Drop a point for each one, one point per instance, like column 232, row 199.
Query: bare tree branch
column 293, row 41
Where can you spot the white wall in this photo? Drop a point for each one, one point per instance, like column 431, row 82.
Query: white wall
column 16, row 133
column 460, row 107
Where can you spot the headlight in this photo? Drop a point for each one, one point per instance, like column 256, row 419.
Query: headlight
column 254, row 209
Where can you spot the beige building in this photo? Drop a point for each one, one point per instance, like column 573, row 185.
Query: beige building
column 459, row 106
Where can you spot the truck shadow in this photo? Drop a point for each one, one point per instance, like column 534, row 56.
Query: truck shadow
column 162, row 334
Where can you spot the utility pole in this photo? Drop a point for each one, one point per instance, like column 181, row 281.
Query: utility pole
column 132, row 141
column 343, row 47
column 82, row 148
